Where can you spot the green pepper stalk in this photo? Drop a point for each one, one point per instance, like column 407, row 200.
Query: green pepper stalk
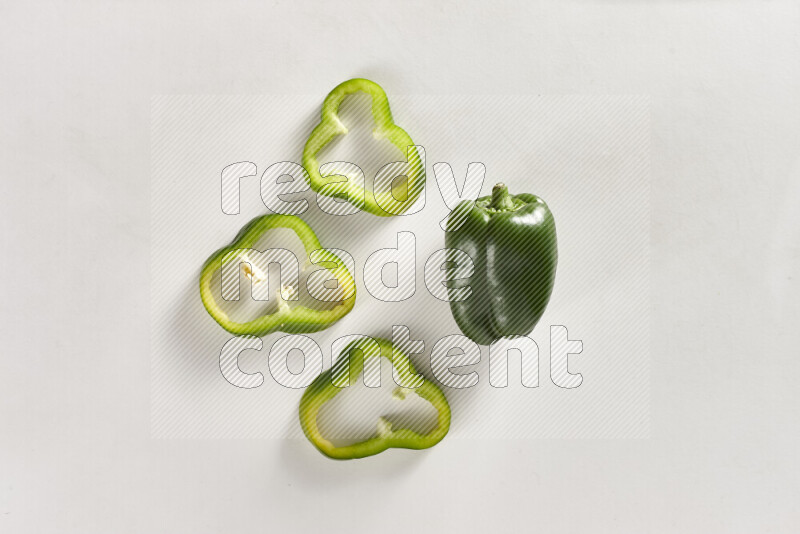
column 512, row 242
column 300, row 319
column 350, row 364
column 383, row 204
column 501, row 200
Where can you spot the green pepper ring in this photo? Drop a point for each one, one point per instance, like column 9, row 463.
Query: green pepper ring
column 324, row 388
column 297, row 320
column 330, row 126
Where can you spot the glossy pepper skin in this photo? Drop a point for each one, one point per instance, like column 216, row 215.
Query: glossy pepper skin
column 383, row 204
column 512, row 243
column 300, row 319
column 345, row 371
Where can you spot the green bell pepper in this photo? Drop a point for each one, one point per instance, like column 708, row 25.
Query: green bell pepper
column 384, row 204
column 348, row 366
column 300, row 319
column 512, row 243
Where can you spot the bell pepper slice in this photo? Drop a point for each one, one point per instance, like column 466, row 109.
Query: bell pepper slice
column 512, row 243
column 384, row 204
column 327, row 385
column 299, row 319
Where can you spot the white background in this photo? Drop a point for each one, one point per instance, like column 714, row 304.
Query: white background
column 75, row 448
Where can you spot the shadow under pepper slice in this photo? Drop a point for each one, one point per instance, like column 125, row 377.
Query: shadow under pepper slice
column 512, row 243
column 330, row 127
column 345, row 371
column 299, row 319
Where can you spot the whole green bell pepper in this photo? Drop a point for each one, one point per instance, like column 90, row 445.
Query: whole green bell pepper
column 299, row 319
column 383, row 204
column 512, row 243
column 345, row 371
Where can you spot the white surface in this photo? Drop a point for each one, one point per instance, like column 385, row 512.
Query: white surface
column 75, row 447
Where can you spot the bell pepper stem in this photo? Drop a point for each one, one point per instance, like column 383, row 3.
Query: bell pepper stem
column 501, row 200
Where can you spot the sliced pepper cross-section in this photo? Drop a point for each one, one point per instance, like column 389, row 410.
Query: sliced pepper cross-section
column 298, row 319
column 349, row 365
column 383, row 203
